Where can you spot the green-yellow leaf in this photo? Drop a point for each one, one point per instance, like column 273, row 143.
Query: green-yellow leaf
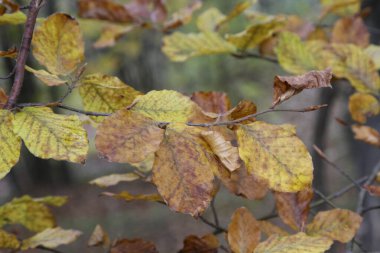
column 58, row 44
column 298, row 243
column 276, row 155
column 52, row 200
column 208, row 21
column 132, row 197
column 103, row 93
column 10, row 144
column 114, row 179
column 8, row 241
column 340, row 7
column 34, row 215
column 14, row 18
column 49, row 135
column 374, row 53
column 46, row 77
column 180, row 46
column 269, row 229
column 363, row 105
column 51, row 238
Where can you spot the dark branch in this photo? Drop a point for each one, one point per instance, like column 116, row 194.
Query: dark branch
column 255, row 55
column 48, row 249
column 370, row 209
column 218, row 229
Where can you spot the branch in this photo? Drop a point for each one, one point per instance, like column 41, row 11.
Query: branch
column 255, row 55
column 34, row 7
column 320, row 194
column 370, row 209
column 218, row 228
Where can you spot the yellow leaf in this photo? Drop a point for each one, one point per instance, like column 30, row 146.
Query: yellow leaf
column 51, row 238
column 114, row 179
column 276, row 155
column 166, row 106
column 46, row 77
column 10, row 144
column 207, row 244
column 130, row 197
column 243, row 231
column 228, row 154
column 33, row 215
column 366, row 134
column 8, row 241
column 99, row 237
column 103, row 93
column 183, row 170
column 208, row 21
column 363, row 105
column 14, row 18
column 128, row 136
column 350, row 30
column 340, row 7
column 52, row 200
column 110, row 34
column 269, row 229
column 58, row 44
column 237, row 10
column 49, row 135
column 337, row 224
column 180, row 46
column 298, row 243
column 373, row 51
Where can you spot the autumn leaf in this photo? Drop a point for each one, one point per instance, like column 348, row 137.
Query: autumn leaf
column 287, row 86
column 33, row 215
column 373, row 189
column 205, row 244
column 340, row 7
column 269, row 229
column 180, row 46
column 114, row 179
column 166, row 106
column 99, row 238
column 363, row 105
column 15, row 18
column 10, row 53
column 298, row 243
column 350, row 30
column 243, row 109
column 146, row 165
column 373, row 51
column 46, row 77
column 182, row 16
column 366, row 134
column 51, row 238
column 281, row 159
column 103, row 93
column 110, row 34
column 8, row 6
column 10, row 144
column 8, row 241
column 238, row 9
column 337, row 224
column 50, row 135
column 208, row 21
column 3, row 98
column 243, row 231
column 186, row 157
column 212, row 101
column 131, row 197
column 52, row 200
column 58, row 44
column 293, row 208
column 128, row 137
column 133, row 246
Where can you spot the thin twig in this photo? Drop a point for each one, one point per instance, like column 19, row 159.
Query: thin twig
column 23, row 53
column 9, row 75
column 370, row 209
column 48, row 249
column 218, row 228
column 255, row 55
column 214, row 213
column 340, row 170
column 320, row 194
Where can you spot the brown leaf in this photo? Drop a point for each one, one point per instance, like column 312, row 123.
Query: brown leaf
column 99, row 237
column 287, row 86
column 3, row 98
column 373, row 189
column 183, row 170
column 269, row 229
column 128, row 137
column 367, row 134
column 243, row 108
column 293, row 208
column 212, row 101
column 243, row 231
column 182, row 17
column 133, row 246
column 351, row 30
column 130, row 197
column 10, row 53
column 363, row 105
column 8, row 6
column 206, row 244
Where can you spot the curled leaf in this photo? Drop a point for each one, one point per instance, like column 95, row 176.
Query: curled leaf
column 98, row 237
column 366, row 134
column 114, row 179
column 183, row 16
column 46, row 77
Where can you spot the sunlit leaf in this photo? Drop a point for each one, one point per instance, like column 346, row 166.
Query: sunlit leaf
column 337, row 224
column 350, row 30
column 205, row 244
column 51, row 238
column 269, row 229
column 58, row 44
column 133, row 246
column 98, row 237
column 10, row 144
column 208, row 21
column 281, row 159
column 180, row 46
column 128, row 137
column 15, row 18
column 183, row 170
column 366, row 134
column 363, row 105
column 243, row 231
column 46, row 77
column 114, row 179
column 50, row 135
column 298, row 243
column 8, row 241
column 132, row 197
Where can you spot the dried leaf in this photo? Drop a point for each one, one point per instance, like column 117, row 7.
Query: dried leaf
column 128, row 137
column 180, row 46
column 34, row 215
column 281, row 159
column 243, row 231
column 293, row 208
column 50, row 135
column 212, row 101
column 15, row 18
column 3, row 98
column 366, row 134
column 10, row 144
column 363, row 105
column 287, row 86
column 51, row 238
column 110, row 34
column 373, row 189
column 243, row 109
column 236, row 11
column 337, row 224
column 46, row 77
column 99, row 238
column 298, row 243
column 183, row 170
column 114, row 179
column 8, row 241
column 183, row 16
column 130, row 197
column 10, row 53
column 133, row 246
column 9, row 6
column 208, row 21
column 58, row 44
column 350, row 30
column 269, row 229
column 52, row 200
column 206, row 244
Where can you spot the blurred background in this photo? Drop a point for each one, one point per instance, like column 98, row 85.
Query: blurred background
column 137, row 59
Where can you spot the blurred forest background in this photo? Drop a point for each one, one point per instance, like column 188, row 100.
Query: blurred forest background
column 137, row 59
